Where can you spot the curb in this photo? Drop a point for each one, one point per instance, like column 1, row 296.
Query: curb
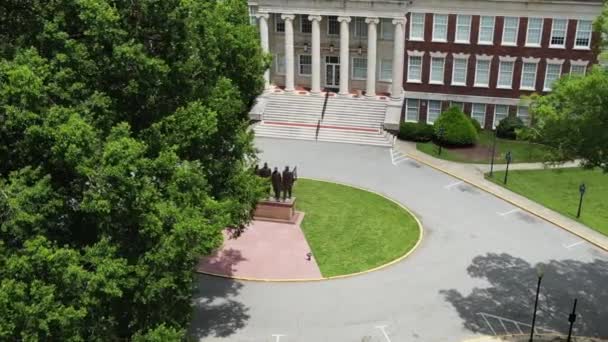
column 498, row 338
column 342, row 276
column 492, row 192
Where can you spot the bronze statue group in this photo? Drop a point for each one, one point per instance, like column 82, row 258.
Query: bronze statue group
column 280, row 182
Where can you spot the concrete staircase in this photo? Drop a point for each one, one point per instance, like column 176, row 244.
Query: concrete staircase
column 346, row 120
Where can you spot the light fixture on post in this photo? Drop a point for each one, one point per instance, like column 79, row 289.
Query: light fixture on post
column 360, row 50
column 305, row 47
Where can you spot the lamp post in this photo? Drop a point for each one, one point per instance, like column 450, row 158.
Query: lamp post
column 493, row 153
column 582, row 189
column 571, row 319
column 540, row 272
column 508, row 157
column 440, row 138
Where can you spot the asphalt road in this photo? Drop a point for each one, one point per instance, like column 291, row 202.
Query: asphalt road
column 474, row 273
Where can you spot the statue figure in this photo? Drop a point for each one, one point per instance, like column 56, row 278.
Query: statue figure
column 265, row 171
column 287, row 182
column 276, row 183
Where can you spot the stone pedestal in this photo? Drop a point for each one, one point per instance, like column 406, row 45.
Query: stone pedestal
column 271, row 210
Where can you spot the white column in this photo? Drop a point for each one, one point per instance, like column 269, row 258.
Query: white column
column 289, row 53
column 344, row 54
column 372, row 37
column 398, row 58
column 263, row 18
column 316, row 53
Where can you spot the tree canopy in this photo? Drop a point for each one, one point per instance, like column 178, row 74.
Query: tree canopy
column 123, row 148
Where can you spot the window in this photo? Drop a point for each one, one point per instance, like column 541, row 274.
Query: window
column 583, row 34
column 360, row 27
column 558, row 33
column 252, row 19
column 414, row 69
column 523, row 114
column 359, row 68
column 505, row 74
column 386, row 70
column 333, row 26
column 482, row 73
column 440, row 27
column 463, row 28
column 535, row 30
column 459, row 105
column 486, row 30
column 578, row 69
column 437, row 70
column 305, row 65
column 387, row 31
column 412, row 110
column 478, row 112
column 528, row 76
column 417, row 26
column 510, row 30
column 500, row 112
column 553, row 73
column 280, row 67
column 459, row 75
column 434, row 111
column 305, row 24
column 279, row 23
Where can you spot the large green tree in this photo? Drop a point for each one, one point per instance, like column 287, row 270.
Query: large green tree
column 123, row 148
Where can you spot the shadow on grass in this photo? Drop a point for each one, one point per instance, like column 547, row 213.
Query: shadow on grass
column 513, row 287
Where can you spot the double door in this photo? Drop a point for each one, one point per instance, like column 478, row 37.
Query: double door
column 332, row 71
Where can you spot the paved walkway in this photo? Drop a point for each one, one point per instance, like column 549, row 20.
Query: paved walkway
column 266, row 250
column 474, row 174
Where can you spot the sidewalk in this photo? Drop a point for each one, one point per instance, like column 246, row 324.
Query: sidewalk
column 474, row 175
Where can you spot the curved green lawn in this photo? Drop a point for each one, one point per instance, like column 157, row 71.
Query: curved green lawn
column 351, row 230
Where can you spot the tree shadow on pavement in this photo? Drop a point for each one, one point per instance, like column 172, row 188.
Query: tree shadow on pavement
column 513, row 288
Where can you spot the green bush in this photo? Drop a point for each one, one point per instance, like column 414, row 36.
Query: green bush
column 416, row 131
column 476, row 124
column 458, row 128
column 507, row 127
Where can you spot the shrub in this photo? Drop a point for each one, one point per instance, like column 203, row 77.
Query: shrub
column 476, row 124
column 416, row 131
column 507, row 127
column 458, row 128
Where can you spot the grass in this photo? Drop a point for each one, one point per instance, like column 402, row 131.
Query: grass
column 558, row 190
column 351, row 230
column 522, row 151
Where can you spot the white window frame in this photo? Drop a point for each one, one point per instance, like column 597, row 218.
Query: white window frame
column 578, row 33
column 408, row 107
column 352, row 68
column 579, row 63
column 417, row 15
column 303, row 19
column 540, row 35
column 486, row 42
column 482, row 123
column 504, row 29
column 428, row 111
column 496, row 122
column 386, row 25
column 529, row 61
column 277, row 65
column 359, row 27
column 503, row 60
column 565, row 33
column 484, row 58
column 383, row 62
column 278, row 20
column 527, row 116
column 466, row 69
column 436, row 56
column 409, row 66
column 460, row 26
column 300, row 65
column 552, row 62
column 445, row 36
column 329, row 23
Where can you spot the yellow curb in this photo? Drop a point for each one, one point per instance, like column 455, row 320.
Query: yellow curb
column 531, row 211
column 390, row 263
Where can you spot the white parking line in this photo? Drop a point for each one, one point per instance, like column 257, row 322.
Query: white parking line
column 449, row 186
column 382, row 328
column 278, row 337
column 509, row 212
column 574, row 244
